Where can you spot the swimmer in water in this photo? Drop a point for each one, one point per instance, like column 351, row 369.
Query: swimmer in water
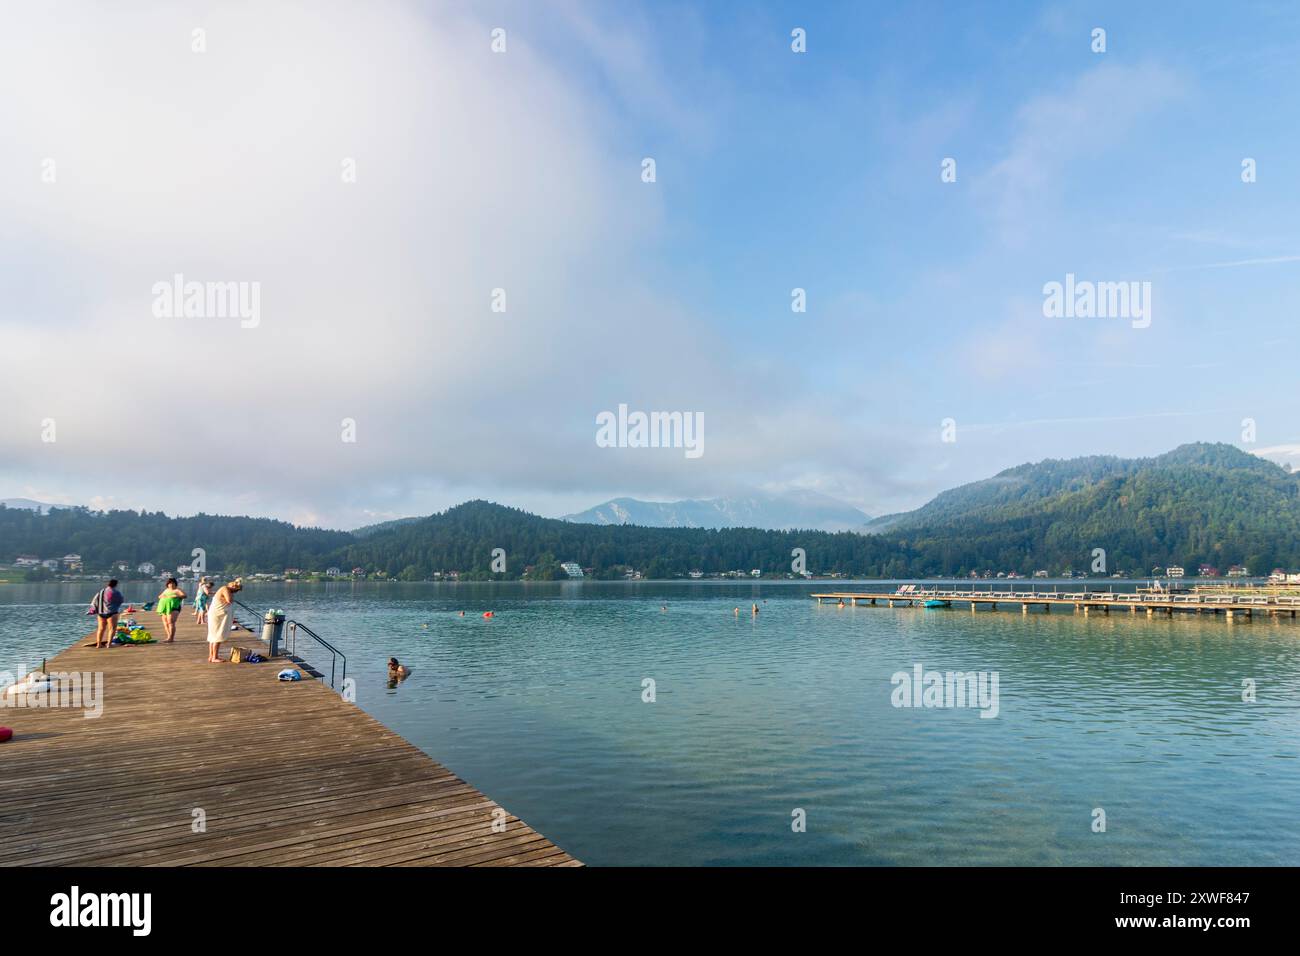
column 462, row 613
column 397, row 671
column 841, row 602
column 664, row 608
column 755, row 610
column 737, row 612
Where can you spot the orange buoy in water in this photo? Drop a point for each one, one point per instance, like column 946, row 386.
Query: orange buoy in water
column 5, row 734
column 487, row 613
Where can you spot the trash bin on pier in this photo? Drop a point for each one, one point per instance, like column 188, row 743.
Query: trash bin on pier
column 272, row 626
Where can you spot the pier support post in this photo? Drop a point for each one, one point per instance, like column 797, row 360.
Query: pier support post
column 1024, row 609
column 1229, row 613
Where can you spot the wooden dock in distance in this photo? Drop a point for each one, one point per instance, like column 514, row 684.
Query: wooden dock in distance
column 1230, row 605
column 280, row 773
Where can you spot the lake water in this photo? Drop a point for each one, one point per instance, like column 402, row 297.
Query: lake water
column 754, row 719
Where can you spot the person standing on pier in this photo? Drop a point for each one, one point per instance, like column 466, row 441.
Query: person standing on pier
column 220, row 619
column 169, row 608
column 106, row 605
column 201, row 602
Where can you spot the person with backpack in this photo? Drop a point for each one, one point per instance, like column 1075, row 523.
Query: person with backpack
column 106, row 605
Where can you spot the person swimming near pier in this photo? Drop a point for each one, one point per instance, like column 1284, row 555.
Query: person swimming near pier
column 397, row 671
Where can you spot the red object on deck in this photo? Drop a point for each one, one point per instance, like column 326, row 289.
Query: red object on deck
column 5, row 734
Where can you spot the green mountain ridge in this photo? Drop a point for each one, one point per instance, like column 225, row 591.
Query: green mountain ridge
column 1200, row 503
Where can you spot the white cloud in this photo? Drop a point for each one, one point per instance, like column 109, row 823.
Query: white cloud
column 474, row 171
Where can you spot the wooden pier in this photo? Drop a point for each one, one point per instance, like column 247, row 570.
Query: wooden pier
column 1230, row 605
column 223, row 765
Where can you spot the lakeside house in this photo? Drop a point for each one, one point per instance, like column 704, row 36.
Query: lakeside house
column 1238, row 571
column 358, row 572
column 27, row 561
column 333, row 573
column 146, row 568
column 72, row 562
column 50, row 564
column 1207, row 571
column 1174, row 571
column 572, row 569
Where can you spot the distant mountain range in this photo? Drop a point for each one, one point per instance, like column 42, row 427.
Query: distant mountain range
column 799, row 509
column 26, row 504
column 1200, row 503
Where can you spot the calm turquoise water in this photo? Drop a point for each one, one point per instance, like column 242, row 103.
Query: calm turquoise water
column 541, row 707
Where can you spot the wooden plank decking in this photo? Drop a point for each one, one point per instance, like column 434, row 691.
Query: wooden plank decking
column 285, row 774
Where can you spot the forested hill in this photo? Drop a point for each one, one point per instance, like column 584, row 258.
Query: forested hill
column 1211, row 504
column 1198, row 504
column 102, row 538
column 463, row 538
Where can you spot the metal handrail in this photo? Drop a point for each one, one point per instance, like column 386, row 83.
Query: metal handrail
column 256, row 614
column 335, row 653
